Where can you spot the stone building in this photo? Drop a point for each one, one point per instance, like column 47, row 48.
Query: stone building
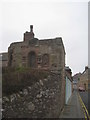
column 76, row 79
column 35, row 53
column 83, row 82
column 46, row 97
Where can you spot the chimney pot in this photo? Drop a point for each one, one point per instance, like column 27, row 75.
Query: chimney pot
column 31, row 28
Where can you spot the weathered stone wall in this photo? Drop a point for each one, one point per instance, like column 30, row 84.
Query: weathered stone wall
column 83, row 82
column 19, row 52
column 44, row 99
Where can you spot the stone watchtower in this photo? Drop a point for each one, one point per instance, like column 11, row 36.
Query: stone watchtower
column 35, row 53
column 45, row 54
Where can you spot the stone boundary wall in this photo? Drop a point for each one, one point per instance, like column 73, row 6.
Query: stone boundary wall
column 44, row 99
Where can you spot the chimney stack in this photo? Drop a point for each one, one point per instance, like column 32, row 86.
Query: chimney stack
column 29, row 35
column 31, row 28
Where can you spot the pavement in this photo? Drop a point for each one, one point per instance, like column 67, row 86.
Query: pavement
column 74, row 108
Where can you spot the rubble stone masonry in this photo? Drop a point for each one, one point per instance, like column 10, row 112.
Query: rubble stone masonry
column 44, row 99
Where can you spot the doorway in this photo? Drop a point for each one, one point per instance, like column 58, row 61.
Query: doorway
column 32, row 59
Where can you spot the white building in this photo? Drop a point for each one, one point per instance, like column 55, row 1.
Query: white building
column 68, row 86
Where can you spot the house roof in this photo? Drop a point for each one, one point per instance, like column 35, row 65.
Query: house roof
column 68, row 75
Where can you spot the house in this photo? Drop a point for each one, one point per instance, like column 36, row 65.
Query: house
column 68, row 85
column 83, row 82
column 76, row 78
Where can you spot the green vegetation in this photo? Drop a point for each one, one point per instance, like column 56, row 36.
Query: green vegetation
column 15, row 79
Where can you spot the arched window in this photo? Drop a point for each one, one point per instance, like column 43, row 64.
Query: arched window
column 32, row 59
column 45, row 60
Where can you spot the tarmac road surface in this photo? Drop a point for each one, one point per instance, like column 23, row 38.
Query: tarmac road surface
column 73, row 109
column 86, row 99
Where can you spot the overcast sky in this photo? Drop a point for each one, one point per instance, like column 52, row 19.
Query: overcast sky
column 68, row 20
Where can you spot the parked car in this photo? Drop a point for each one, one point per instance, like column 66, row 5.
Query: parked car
column 81, row 89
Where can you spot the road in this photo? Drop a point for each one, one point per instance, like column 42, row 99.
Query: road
column 73, row 109
column 85, row 99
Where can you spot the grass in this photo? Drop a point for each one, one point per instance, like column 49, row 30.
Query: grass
column 16, row 79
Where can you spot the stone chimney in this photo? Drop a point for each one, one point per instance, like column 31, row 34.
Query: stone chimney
column 31, row 28
column 68, row 70
column 29, row 35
